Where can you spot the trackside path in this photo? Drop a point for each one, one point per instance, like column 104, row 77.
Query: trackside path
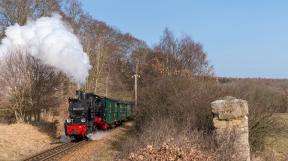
column 101, row 149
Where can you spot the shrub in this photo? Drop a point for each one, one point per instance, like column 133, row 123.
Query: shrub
column 170, row 107
column 263, row 102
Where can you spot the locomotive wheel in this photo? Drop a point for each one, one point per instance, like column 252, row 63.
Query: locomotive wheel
column 113, row 125
column 79, row 137
column 119, row 123
column 65, row 128
column 94, row 128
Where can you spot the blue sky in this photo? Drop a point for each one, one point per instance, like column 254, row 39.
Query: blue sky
column 242, row 38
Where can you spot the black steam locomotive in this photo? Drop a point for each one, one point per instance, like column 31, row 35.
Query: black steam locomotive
column 88, row 112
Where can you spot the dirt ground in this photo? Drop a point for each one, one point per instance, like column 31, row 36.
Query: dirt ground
column 21, row 140
column 18, row 141
column 100, row 149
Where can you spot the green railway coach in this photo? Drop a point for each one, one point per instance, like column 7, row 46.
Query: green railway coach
column 117, row 111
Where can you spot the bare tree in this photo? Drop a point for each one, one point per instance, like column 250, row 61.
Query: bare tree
column 182, row 54
column 28, row 86
column 73, row 10
column 14, row 11
column 193, row 57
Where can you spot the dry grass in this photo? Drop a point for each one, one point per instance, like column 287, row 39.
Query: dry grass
column 21, row 140
column 276, row 143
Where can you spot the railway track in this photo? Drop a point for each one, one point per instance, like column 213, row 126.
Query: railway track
column 56, row 152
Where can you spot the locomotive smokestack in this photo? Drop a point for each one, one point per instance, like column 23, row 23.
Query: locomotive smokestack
column 80, row 95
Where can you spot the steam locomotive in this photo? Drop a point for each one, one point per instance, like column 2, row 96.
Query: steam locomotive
column 89, row 112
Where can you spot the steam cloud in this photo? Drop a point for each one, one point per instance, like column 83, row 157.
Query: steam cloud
column 96, row 136
column 52, row 42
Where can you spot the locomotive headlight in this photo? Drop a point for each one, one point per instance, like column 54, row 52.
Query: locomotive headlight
column 83, row 120
column 68, row 120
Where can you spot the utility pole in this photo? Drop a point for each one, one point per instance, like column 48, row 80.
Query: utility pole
column 106, row 82
column 136, row 76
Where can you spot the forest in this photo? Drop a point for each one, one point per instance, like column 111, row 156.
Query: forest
column 176, row 85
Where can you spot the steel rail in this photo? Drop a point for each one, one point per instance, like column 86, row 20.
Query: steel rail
column 51, row 153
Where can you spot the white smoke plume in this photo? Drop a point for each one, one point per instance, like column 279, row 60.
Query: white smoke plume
column 51, row 41
column 97, row 135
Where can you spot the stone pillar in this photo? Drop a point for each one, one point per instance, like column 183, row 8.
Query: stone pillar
column 230, row 120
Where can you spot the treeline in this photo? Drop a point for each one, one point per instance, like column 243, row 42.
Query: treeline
column 29, row 87
column 113, row 56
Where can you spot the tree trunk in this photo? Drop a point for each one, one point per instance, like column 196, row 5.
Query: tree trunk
column 19, row 117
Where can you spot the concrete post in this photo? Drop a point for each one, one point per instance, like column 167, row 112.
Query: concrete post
column 230, row 117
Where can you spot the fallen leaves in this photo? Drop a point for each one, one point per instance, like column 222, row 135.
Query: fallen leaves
column 170, row 151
